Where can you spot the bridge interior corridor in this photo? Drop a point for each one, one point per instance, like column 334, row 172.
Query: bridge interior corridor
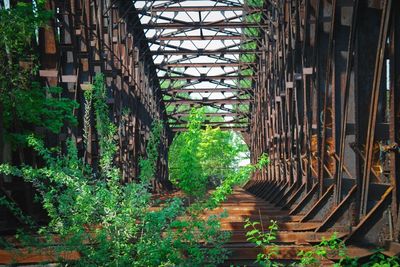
column 313, row 84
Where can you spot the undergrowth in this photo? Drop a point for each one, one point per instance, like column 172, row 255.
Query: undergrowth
column 333, row 247
column 106, row 222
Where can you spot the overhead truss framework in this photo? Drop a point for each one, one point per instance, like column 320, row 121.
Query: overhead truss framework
column 205, row 54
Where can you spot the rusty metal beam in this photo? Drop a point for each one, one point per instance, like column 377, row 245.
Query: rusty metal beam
column 200, row 9
column 212, row 114
column 206, row 90
column 207, row 101
column 223, row 128
column 372, row 118
column 205, row 78
column 201, row 52
column 205, row 65
column 202, row 25
column 199, row 38
column 316, row 83
column 235, row 122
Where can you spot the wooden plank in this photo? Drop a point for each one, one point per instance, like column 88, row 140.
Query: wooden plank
column 51, row 73
column 69, row 78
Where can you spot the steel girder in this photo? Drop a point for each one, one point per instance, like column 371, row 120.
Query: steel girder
column 100, row 36
column 326, row 111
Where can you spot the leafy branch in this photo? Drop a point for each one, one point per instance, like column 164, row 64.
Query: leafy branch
column 264, row 240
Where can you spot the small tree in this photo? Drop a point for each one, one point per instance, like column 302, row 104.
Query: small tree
column 185, row 167
column 203, row 158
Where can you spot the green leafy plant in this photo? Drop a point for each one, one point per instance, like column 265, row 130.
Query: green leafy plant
column 24, row 104
column 109, row 223
column 313, row 257
column 221, row 192
column 16, row 211
column 263, row 161
column 204, row 158
column 19, row 24
column 378, row 259
column 264, row 240
column 332, row 245
column 148, row 165
column 185, row 168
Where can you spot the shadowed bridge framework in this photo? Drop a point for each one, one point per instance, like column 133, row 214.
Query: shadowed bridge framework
column 312, row 83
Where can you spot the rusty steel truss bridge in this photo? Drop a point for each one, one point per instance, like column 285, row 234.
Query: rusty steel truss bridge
column 315, row 84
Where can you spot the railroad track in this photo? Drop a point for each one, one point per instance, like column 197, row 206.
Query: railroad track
column 292, row 237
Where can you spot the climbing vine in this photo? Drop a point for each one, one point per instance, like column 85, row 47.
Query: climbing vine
column 88, row 95
column 148, row 165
